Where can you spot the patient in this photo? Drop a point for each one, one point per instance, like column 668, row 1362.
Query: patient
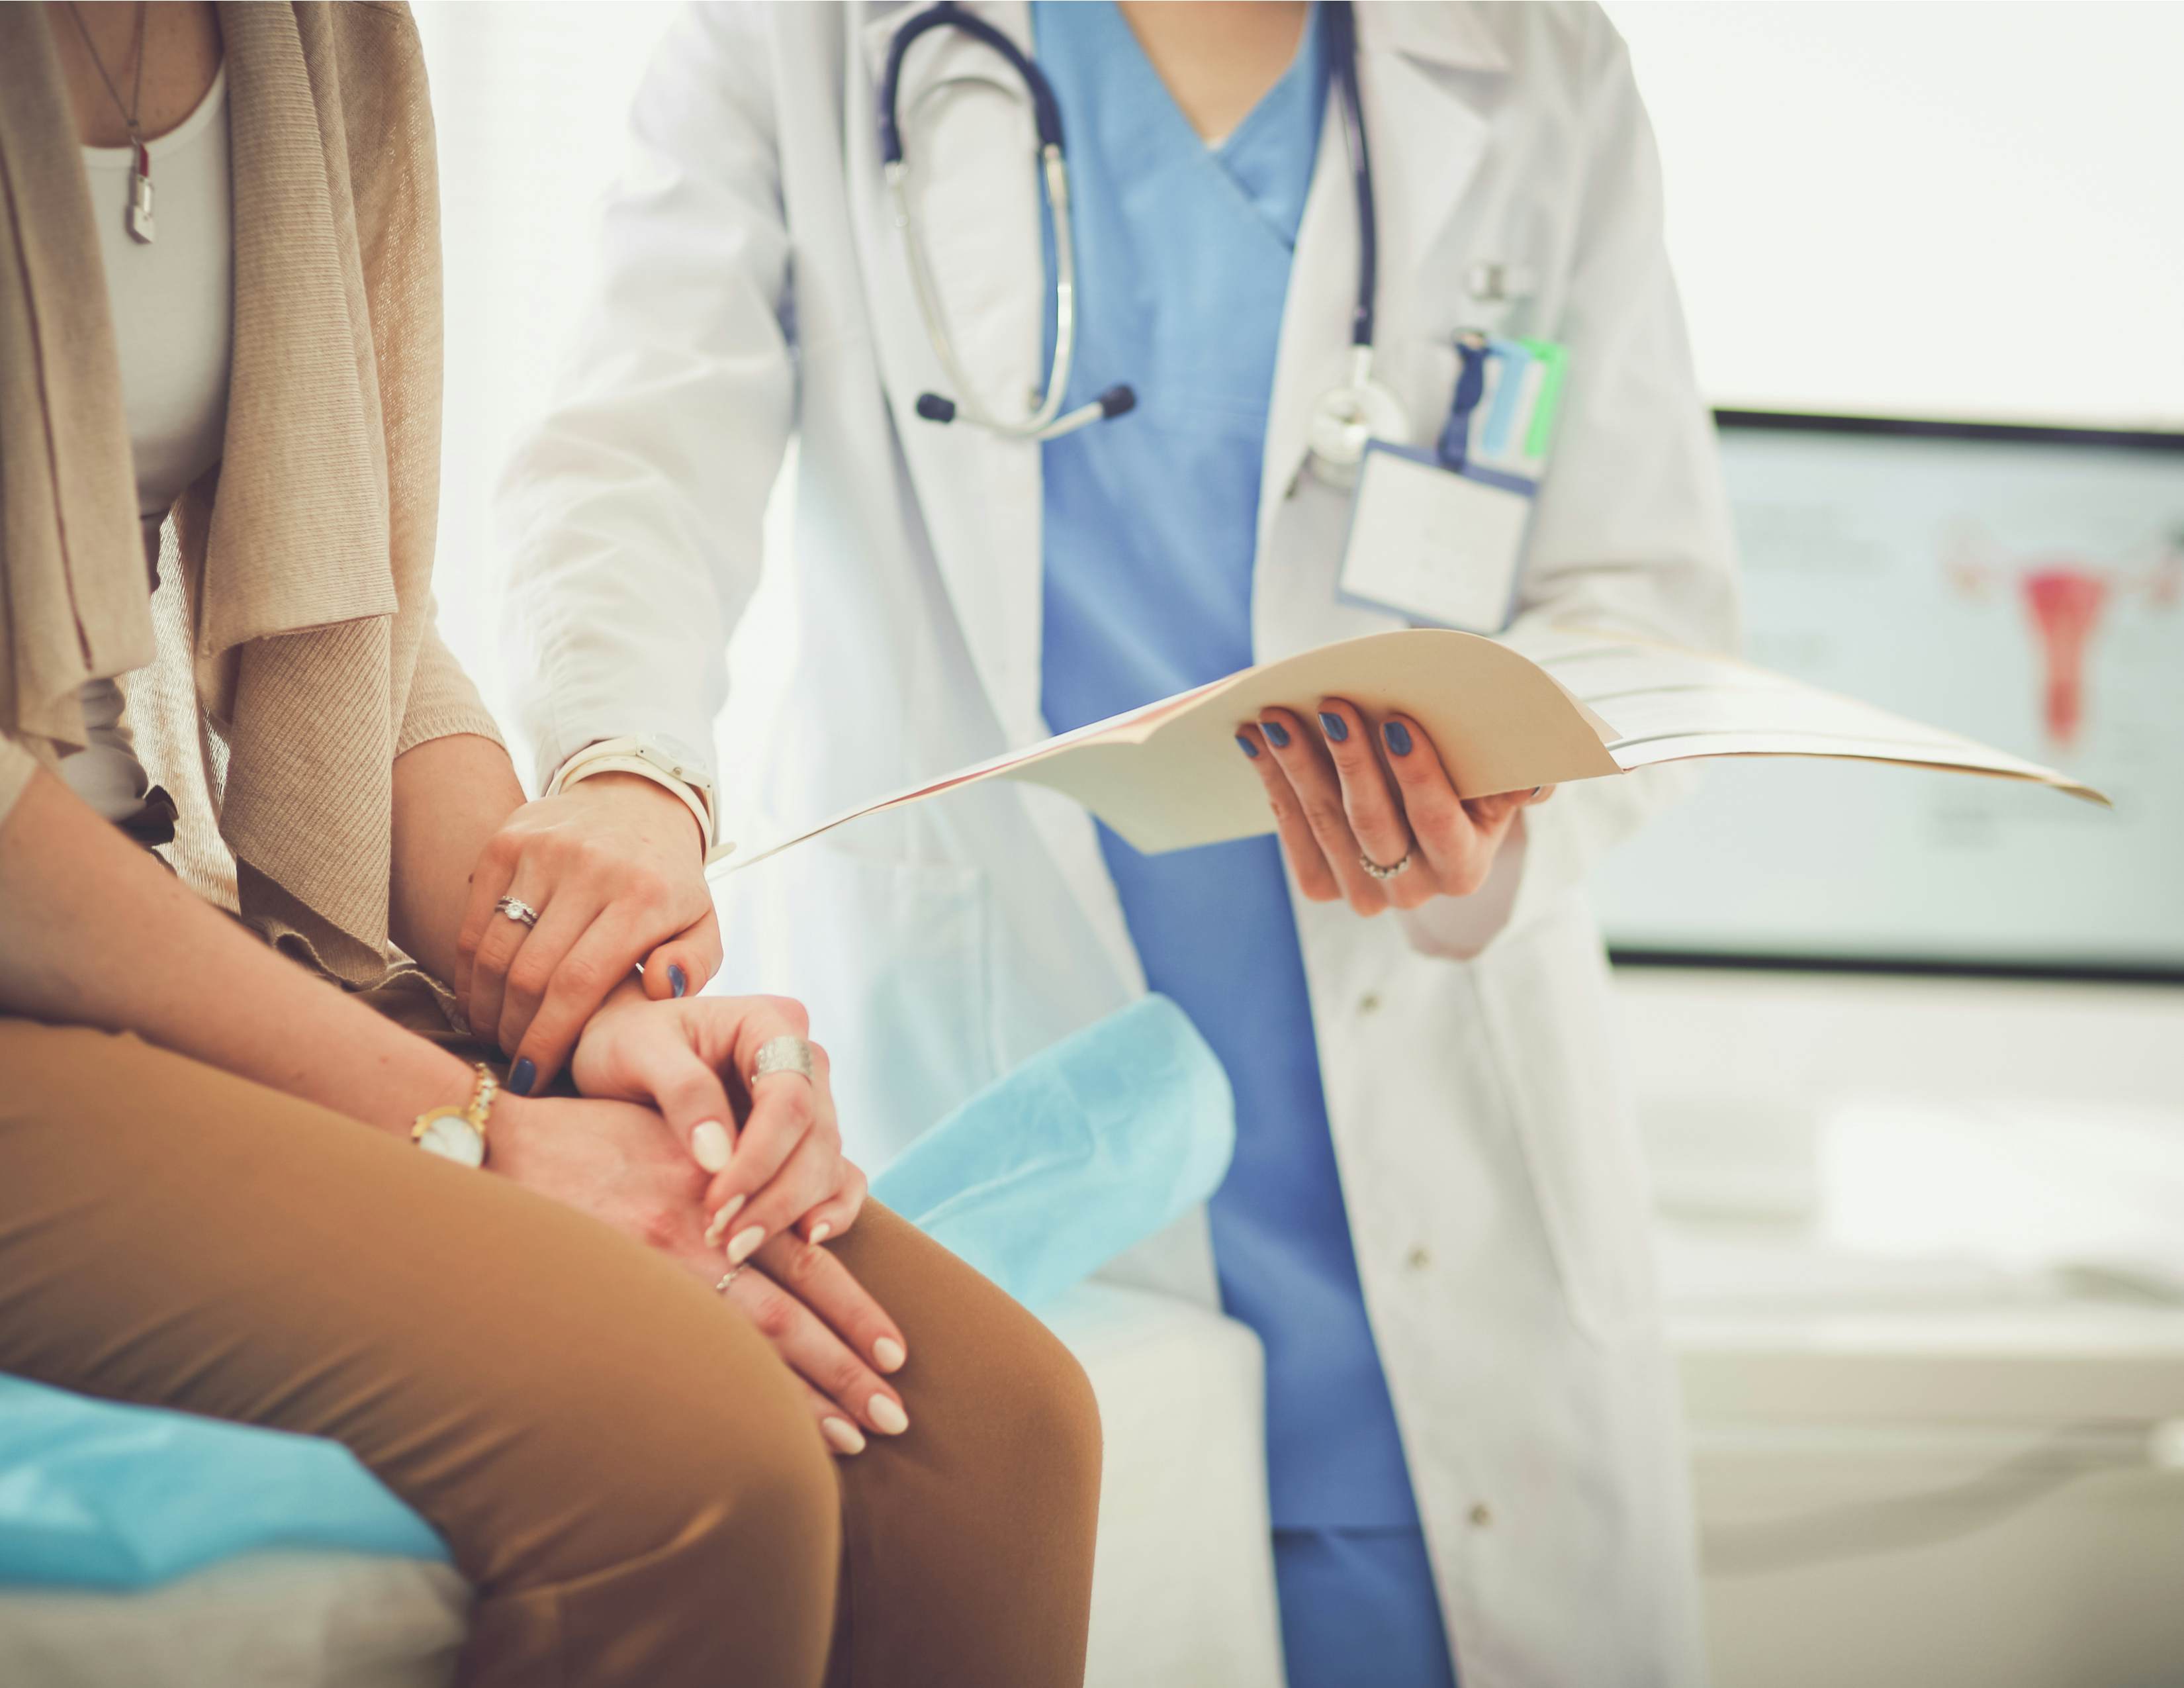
column 611, row 1391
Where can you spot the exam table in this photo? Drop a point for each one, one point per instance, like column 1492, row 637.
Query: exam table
column 1183, row 1589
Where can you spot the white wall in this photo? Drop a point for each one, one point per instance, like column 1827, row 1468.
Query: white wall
column 1973, row 209
column 531, row 103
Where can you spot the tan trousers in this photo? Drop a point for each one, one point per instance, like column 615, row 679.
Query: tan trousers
column 619, row 1463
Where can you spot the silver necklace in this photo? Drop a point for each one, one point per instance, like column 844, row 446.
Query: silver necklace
column 140, row 177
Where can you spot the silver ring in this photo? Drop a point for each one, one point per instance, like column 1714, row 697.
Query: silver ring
column 728, row 1277
column 517, row 910
column 1377, row 872
column 783, row 1054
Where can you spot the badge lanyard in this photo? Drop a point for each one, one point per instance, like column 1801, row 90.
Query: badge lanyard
column 1437, row 537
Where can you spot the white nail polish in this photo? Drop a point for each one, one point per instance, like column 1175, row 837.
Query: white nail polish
column 718, row 1228
column 820, row 1234
column 887, row 1355
column 710, row 1145
column 741, row 1244
column 841, row 1435
column 889, row 1418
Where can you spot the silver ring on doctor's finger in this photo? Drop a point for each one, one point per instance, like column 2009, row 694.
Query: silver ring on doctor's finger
column 517, row 910
column 1377, row 872
column 783, row 1054
column 730, row 1277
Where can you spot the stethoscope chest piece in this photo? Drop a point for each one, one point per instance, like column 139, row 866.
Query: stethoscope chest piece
column 1345, row 421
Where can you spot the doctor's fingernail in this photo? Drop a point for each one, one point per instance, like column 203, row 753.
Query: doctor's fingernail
column 1398, row 737
column 741, row 1244
column 1334, row 725
column 708, row 1144
column 1250, row 748
column 888, row 1354
column 1277, row 734
column 677, row 980
column 523, row 1076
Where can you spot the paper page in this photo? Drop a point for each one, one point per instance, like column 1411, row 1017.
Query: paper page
column 1498, row 722
column 1559, row 704
column 1169, row 776
column 1665, row 705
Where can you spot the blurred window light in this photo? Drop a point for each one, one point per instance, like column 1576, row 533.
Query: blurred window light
column 1961, row 210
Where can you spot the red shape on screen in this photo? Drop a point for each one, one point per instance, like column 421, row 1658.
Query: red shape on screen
column 2065, row 603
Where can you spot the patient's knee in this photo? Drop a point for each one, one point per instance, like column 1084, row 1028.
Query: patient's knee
column 1043, row 1459
column 697, row 1464
column 748, row 1469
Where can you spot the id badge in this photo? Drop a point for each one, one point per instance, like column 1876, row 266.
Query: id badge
column 1432, row 544
column 1438, row 536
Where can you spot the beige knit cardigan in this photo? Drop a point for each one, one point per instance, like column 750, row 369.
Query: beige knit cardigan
column 290, row 654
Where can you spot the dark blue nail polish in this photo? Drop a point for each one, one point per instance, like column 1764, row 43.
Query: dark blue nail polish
column 1250, row 748
column 677, row 980
column 1334, row 725
column 1277, row 734
column 1398, row 737
column 523, row 1076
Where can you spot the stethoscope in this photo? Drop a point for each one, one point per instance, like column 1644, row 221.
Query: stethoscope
column 1345, row 418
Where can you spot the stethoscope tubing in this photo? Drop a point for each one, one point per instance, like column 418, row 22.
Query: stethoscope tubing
column 1342, row 24
column 1044, row 420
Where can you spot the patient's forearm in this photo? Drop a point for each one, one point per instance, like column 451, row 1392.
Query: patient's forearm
column 450, row 795
column 94, row 932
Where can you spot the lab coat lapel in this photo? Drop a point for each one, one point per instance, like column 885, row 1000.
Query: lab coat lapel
column 971, row 152
column 1425, row 74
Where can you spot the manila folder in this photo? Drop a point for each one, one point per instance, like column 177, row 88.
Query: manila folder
column 1559, row 705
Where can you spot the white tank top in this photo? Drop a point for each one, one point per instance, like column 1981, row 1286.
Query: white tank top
column 172, row 306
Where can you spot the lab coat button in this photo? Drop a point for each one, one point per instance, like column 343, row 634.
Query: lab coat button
column 1369, row 1003
column 1482, row 1515
column 1417, row 1260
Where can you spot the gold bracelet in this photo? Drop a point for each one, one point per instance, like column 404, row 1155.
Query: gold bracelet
column 459, row 1134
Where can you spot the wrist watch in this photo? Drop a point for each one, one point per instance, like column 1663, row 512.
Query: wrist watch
column 457, row 1134
column 665, row 762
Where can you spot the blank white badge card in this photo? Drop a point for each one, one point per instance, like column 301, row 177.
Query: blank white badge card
column 1433, row 545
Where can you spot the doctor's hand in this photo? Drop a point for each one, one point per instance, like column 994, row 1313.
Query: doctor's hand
column 1347, row 799
column 614, row 867
column 773, row 1146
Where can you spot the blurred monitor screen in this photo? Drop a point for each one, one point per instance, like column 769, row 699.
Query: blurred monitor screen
column 2025, row 586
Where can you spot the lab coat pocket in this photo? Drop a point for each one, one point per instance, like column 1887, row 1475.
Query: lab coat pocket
column 1545, row 997
column 893, row 959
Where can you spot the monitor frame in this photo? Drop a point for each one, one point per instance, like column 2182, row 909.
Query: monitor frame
column 1910, row 963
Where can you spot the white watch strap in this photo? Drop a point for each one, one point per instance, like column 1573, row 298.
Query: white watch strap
column 626, row 756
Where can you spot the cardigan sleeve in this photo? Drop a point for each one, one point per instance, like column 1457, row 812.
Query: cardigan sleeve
column 442, row 701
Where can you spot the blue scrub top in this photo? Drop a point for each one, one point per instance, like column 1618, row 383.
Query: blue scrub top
column 1182, row 264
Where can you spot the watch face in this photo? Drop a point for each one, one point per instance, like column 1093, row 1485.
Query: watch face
column 452, row 1138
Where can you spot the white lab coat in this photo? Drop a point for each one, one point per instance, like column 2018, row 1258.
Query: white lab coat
column 754, row 289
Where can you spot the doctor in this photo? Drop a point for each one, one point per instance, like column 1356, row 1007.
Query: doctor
column 1071, row 439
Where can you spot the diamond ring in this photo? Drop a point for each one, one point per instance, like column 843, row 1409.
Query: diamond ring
column 1377, row 872
column 517, row 910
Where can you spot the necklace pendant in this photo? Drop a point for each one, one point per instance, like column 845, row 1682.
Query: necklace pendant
column 140, row 198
